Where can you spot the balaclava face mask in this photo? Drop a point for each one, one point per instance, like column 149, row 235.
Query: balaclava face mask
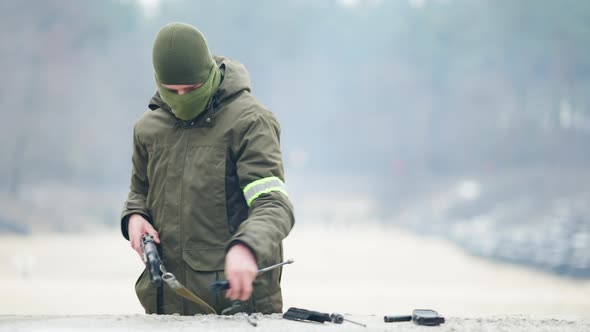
column 181, row 56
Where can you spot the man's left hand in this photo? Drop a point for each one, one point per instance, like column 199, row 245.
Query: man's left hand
column 240, row 271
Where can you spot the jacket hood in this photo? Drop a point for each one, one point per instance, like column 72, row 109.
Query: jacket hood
column 235, row 80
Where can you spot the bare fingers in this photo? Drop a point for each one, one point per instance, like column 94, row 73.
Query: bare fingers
column 240, row 286
column 246, row 289
column 233, row 288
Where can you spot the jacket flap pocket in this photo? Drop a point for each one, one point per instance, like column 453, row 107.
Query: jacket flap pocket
column 206, row 259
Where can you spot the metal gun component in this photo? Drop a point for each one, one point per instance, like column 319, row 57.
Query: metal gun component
column 223, row 285
column 339, row 319
column 182, row 291
column 232, row 307
column 397, row 318
column 158, row 274
column 272, row 267
column 252, row 320
column 305, row 315
column 151, row 258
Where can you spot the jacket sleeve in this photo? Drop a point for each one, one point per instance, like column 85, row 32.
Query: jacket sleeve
column 260, row 171
column 136, row 200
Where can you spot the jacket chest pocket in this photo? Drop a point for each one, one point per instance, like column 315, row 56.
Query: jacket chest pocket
column 203, row 199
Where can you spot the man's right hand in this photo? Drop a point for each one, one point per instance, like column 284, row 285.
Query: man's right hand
column 138, row 226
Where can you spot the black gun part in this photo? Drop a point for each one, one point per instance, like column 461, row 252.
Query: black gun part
column 306, row 315
column 316, row 316
column 151, row 259
column 393, row 319
column 427, row 317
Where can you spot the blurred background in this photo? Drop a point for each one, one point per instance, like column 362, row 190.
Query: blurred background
column 453, row 130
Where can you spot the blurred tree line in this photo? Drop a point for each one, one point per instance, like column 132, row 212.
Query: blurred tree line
column 359, row 86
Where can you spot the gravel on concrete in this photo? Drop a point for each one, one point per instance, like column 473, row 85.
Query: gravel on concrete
column 239, row 322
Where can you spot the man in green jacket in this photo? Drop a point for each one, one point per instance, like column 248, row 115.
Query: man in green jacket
column 207, row 181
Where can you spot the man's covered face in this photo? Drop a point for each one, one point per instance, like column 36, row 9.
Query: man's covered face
column 183, row 63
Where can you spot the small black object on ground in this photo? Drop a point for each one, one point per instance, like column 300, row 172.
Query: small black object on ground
column 419, row 316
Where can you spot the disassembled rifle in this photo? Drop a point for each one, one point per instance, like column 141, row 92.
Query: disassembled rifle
column 158, row 273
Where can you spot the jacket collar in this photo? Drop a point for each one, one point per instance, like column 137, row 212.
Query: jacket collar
column 205, row 119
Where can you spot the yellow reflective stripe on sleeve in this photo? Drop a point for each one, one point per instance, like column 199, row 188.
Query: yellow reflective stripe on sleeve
column 263, row 186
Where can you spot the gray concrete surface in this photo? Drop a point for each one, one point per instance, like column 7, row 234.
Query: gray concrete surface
column 276, row 323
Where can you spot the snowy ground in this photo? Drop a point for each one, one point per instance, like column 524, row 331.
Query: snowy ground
column 363, row 271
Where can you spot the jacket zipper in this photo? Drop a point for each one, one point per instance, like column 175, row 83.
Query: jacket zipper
column 184, row 133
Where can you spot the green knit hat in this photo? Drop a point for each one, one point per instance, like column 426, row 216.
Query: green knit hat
column 181, row 55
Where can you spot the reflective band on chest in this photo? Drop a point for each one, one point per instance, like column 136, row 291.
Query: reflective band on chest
column 263, row 186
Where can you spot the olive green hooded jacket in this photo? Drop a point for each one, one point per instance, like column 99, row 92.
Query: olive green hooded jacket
column 207, row 184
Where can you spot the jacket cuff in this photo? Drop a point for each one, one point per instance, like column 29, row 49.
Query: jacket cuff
column 234, row 242
column 125, row 221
